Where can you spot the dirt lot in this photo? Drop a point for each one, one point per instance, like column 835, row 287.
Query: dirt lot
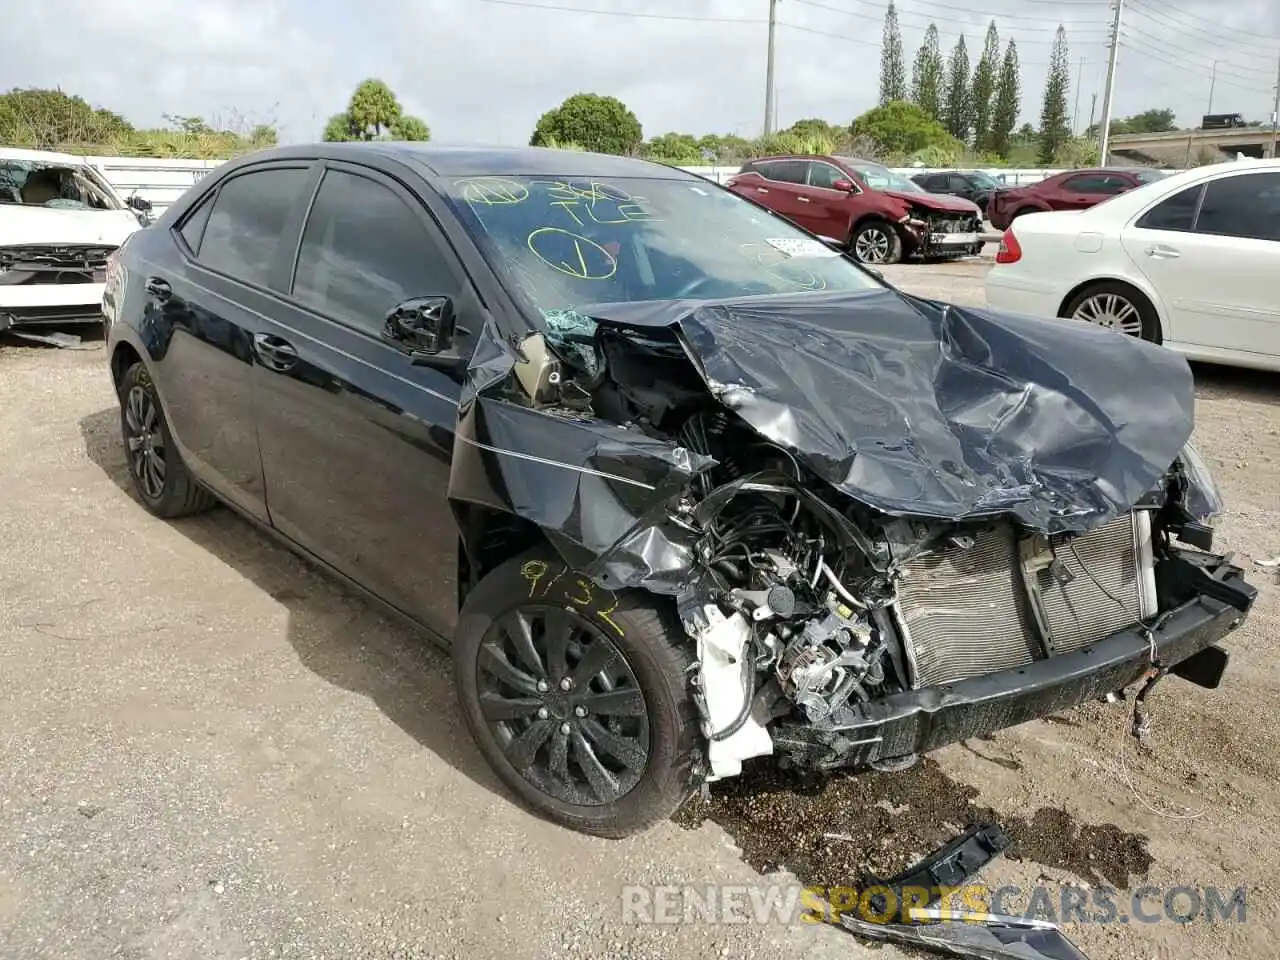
column 211, row 751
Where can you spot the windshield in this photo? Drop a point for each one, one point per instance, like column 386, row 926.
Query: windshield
column 565, row 244
column 877, row 177
column 1149, row 176
column 41, row 184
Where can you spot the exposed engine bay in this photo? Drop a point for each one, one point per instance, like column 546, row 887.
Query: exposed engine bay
column 811, row 611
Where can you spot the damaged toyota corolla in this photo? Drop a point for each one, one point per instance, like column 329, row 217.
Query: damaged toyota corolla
column 682, row 485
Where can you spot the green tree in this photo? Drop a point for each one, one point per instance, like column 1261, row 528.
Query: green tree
column 597, row 123
column 813, row 127
column 677, row 148
column 957, row 104
column 983, row 90
column 901, row 128
column 893, row 75
column 374, row 113
column 1004, row 115
column 50, row 119
column 410, row 128
column 1054, row 129
column 926, row 75
column 1149, row 121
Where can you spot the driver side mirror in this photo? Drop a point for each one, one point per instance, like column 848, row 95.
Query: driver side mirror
column 845, row 185
column 424, row 328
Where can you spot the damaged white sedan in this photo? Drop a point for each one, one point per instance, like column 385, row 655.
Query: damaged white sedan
column 60, row 222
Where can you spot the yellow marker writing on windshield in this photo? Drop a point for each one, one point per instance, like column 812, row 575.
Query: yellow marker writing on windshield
column 572, row 254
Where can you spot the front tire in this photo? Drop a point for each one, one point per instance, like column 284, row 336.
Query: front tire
column 160, row 478
column 875, row 243
column 578, row 697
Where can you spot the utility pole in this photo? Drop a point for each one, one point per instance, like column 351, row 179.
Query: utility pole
column 1108, row 93
column 1275, row 114
column 1213, row 79
column 768, row 75
column 1075, row 111
column 1093, row 107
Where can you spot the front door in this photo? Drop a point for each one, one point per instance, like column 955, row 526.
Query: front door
column 356, row 441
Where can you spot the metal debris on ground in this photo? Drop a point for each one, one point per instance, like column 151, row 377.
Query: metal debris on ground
column 985, row 937
column 55, row 339
column 950, row 866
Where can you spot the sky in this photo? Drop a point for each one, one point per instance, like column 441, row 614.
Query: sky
column 483, row 71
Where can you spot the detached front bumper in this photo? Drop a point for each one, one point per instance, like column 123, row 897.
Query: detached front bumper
column 50, row 304
column 922, row 720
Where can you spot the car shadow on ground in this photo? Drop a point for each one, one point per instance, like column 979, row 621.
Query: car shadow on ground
column 1236, row 383
column 337, row 634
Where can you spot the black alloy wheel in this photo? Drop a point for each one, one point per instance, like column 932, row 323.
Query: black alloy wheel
column 563, row 703
column 145, row 441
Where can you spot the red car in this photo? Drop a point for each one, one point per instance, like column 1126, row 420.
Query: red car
column 1073, row 190
column 879, row 215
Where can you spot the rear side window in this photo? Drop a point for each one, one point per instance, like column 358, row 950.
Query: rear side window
column 1173, row 213
column 1242, row 206
column 1097, row 183
column 193, row 230
column 247, row 220
column 785, row 171
column 364, row 251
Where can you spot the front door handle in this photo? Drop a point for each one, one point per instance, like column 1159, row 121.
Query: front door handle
column 804, row 199
column 1161, row 252
column 274, row 353
column 761, row 190
column 158, row 288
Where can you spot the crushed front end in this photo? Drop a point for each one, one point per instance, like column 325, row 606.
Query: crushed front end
column 944, row 234
column 52, row 284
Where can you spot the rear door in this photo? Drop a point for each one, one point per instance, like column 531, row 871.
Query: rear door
column 206, row 287
column 1213, row 258
column 781, row 188
column 356, row 441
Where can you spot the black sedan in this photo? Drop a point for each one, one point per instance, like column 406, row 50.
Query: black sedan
column 678, row 484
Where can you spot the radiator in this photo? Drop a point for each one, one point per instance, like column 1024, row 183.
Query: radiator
column 966, row 611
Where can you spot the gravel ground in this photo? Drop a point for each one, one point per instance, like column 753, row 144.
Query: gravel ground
column 211, row 751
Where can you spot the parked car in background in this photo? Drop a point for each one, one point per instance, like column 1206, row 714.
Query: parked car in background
column 59, row 222
column 1072, row 190
column 677, row 483
column 1189, row 261
column 972, row 185
column 879, row 215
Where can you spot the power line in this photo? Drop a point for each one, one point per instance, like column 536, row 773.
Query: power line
column 827, row 34
column 929, row 15
column 1254, row 35
column 1149, row 38
column 1161, row 20
column 1142, row 50
column 977, row 27
column 620, row 13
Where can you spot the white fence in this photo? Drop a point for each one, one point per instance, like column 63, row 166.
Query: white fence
column 163, row 181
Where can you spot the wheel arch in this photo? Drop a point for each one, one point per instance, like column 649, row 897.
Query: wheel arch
column 488, row 537
column 1148, row 295
column 123, row 357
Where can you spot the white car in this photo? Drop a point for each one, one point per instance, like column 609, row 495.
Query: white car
column 59, row 222
column 1189, row 261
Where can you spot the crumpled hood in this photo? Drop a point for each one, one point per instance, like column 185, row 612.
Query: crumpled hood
column 942, row 202
column 30, row 224
column 926, row 410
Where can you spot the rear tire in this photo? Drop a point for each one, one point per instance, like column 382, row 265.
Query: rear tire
column 160, row 478
column 616, row 749
column 1116, row 306
column 875, row 243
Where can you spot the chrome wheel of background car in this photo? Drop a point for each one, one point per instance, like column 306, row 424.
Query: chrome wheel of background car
column 563, row 704
column 1112, row 311
column 145, row 440
column 872, row 245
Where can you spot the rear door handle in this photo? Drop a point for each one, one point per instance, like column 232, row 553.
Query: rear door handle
column 158, row 288
column 274, row 353
column 761, row 190
column 1161, row 252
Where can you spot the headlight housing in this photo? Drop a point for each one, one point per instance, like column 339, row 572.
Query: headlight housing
column 1201, row 496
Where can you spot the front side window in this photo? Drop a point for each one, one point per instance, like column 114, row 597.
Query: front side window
column 877, row 177
column 825, row 175
column 1247, row 206
column 247, row 221
column 1097, row 183
column 364, row 251
column 1173, row 213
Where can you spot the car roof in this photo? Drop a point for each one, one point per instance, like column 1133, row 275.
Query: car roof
column 41, row 156
column 436, row 160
